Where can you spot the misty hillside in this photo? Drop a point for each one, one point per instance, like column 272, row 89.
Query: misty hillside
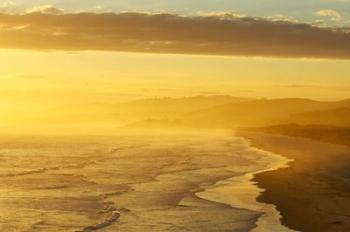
column 335, row 117
column 331, row 134
column 257, row 112
column 170, row 108
column 247, row 113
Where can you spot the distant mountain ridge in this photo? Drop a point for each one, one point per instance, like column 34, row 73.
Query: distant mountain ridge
column 250, row 113
column 335, row 117
column 170, row 108
column 325, row 133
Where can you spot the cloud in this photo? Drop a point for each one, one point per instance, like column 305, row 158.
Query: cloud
column 283, row 18
column 45, row 9
column 315, row 86
column 4, row 27
column 224, row 15
column 7, row 5
column 332, row 14
column 222, row 34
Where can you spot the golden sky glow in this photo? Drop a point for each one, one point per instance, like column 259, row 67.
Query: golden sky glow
column 60, row 66
column 112, row 76
column 51, row 87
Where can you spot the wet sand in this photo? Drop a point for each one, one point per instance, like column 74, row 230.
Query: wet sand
column 128, row 183
column 313, row 194
column 242, row 191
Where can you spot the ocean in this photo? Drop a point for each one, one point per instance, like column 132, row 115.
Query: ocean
column 134, row 182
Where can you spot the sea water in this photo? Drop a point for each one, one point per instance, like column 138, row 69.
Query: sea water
column 134, row 182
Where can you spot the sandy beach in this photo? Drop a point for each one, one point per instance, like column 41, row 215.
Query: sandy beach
column 313, row 194
column 174, row 116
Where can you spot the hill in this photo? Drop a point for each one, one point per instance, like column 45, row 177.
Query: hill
column 330, row 134
column 245, row 113
column 169, row 108
column 335, row 117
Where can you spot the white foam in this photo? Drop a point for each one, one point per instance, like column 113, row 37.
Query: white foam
column 241, row 191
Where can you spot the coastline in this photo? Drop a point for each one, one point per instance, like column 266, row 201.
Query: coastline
column 313, row 193
column 237, row 192
column 242, row 192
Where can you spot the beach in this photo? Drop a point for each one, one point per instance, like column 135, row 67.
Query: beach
column 313, row 193
column 168, row 182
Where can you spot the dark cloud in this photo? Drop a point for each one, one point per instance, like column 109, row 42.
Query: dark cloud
column 166, row 33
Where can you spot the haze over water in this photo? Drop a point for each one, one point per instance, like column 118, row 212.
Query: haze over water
column 137, row 182
column 125, row 116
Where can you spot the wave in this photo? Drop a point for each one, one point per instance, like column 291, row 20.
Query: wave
column 241, row 192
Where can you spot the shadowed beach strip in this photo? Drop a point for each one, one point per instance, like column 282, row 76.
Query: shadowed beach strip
column 313, row 194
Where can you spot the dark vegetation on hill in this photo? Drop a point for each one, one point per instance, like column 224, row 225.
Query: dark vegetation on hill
column 335, row 117
column 330, row 134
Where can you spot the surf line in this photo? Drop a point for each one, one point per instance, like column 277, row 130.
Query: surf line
column 242, row 191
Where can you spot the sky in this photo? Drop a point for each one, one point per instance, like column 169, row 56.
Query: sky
column 57, row 54
column 53, row 92
column 110, row 77
column 334, row 11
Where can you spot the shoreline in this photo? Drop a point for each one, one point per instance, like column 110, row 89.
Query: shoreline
column 242, row 192
column 313, row 193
